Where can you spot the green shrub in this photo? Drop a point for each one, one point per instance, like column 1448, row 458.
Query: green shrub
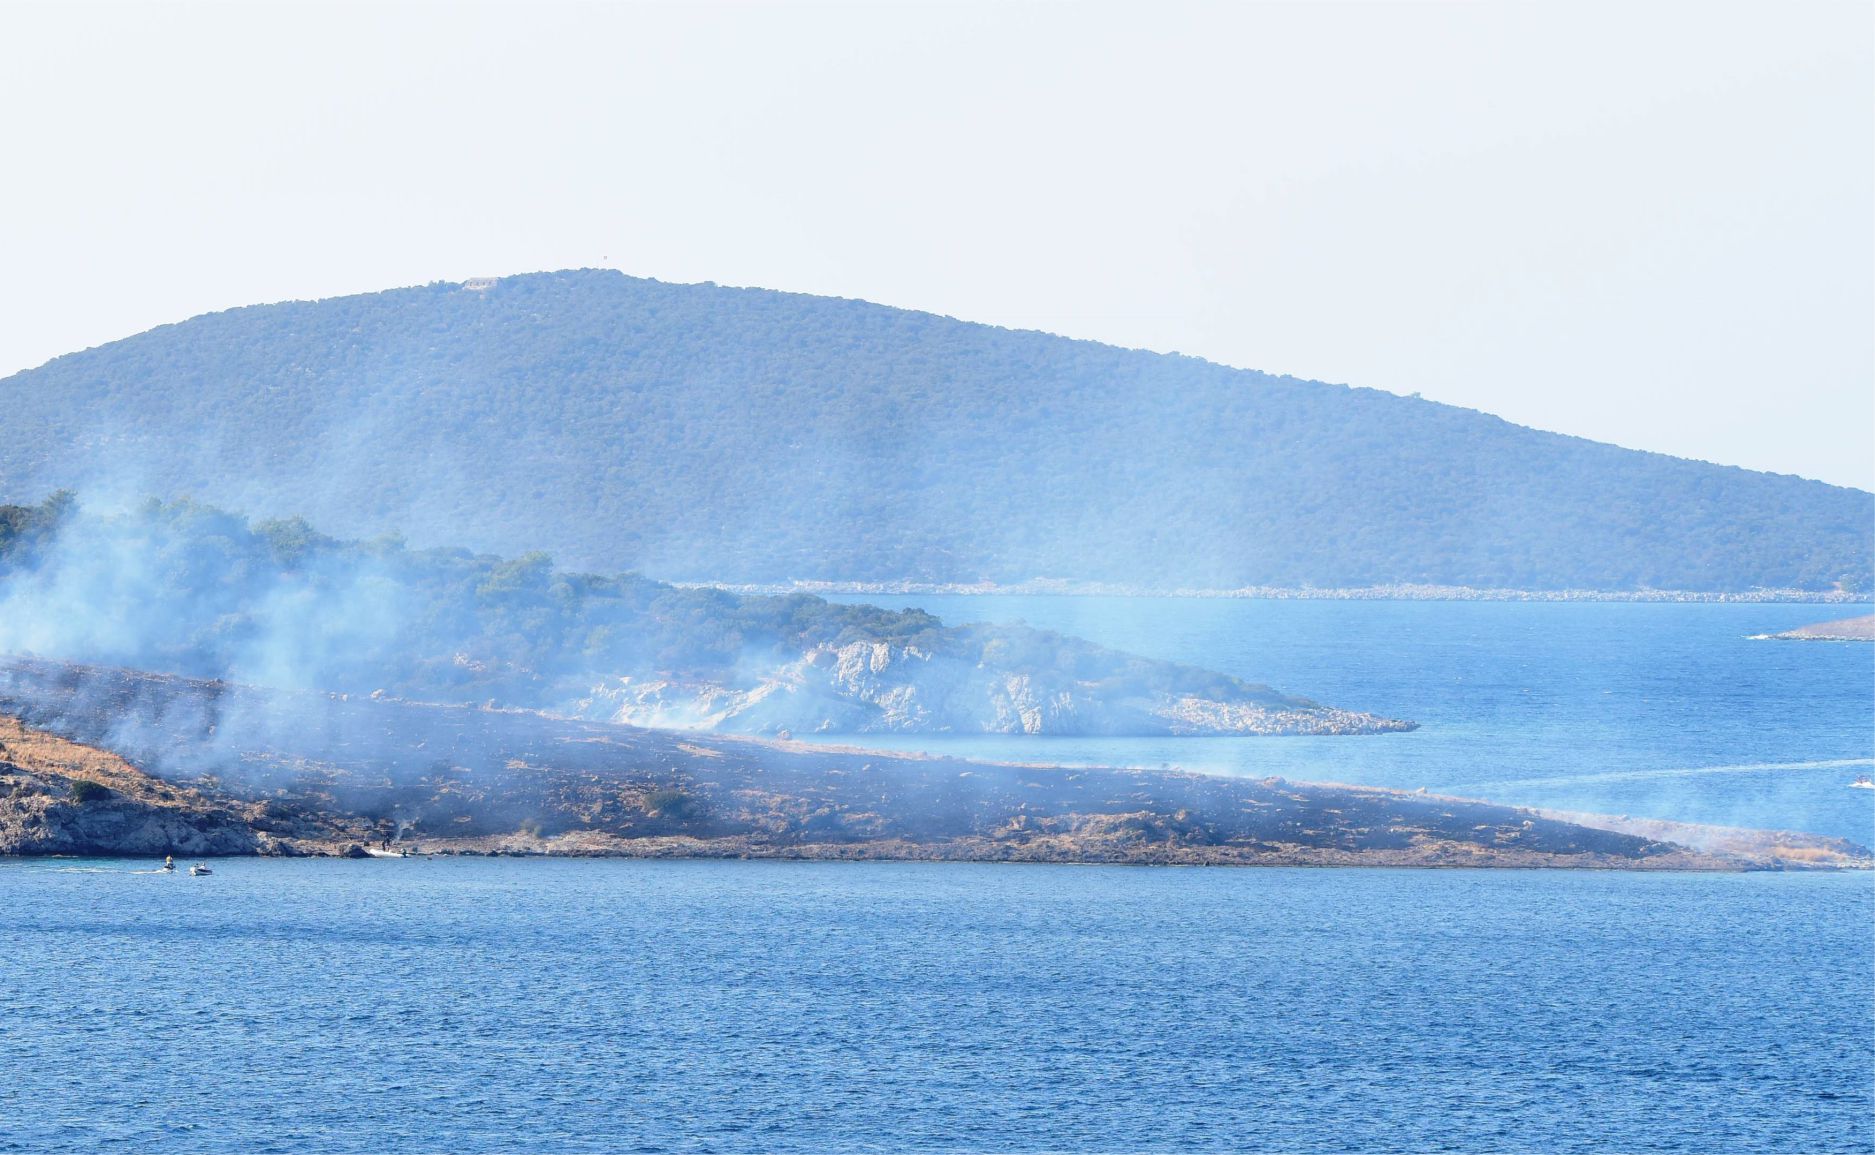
column 85, row 790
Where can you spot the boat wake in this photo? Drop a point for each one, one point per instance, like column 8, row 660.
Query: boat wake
column 1677, row 772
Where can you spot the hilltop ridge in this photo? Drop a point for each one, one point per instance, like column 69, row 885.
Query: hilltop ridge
column 746, row 435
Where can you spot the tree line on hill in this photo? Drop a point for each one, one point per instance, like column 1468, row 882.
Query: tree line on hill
column 695, row 432
column 186, row 588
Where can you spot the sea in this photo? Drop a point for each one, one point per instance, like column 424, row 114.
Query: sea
column 1679, row 710
column 531, row 1005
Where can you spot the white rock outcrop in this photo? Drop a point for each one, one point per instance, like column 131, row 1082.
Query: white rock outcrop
column 876, row 687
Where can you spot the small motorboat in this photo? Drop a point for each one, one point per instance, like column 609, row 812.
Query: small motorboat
column 200, row 868
column 1862, row 782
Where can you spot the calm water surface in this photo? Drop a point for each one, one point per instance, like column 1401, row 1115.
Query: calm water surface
column 515, row 1005
column 1668, row 711
column 485, row 1005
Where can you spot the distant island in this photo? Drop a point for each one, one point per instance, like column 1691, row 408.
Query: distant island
column 1860, row 629
column 709, row 434
column 116, row 762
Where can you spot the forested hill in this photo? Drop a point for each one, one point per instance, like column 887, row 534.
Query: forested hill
column 698, row 432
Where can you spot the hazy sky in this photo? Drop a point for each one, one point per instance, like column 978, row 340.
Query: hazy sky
column 1647, row 224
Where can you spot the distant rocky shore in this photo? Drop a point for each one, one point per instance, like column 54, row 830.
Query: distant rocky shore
column 1860, row 629
column 1058, row 588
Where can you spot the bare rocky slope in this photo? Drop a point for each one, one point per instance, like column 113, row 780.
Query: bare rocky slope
column 867, row 687
column 192, row 767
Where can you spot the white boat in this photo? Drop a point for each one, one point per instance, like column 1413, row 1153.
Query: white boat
column 200, row 868
column 1862, row 782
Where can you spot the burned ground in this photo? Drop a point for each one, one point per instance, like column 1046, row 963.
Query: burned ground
column 312, row 772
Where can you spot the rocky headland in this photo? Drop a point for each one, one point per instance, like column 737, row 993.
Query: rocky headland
column 62, row 797
column 117, row 762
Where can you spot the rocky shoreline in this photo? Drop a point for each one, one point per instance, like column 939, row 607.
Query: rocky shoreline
column 1051, row 587
column 132, row 764
column 1860, row 629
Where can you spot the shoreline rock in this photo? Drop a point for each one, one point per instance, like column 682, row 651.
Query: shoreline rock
column 1859, row 629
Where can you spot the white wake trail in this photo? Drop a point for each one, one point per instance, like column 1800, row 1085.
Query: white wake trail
column 1678, row 772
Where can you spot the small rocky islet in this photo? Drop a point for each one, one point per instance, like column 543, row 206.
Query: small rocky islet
column 1858, row 629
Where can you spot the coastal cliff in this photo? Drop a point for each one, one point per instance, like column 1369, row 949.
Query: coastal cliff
column 60, row 797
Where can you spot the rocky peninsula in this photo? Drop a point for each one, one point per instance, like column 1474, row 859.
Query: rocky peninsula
column 116, row 762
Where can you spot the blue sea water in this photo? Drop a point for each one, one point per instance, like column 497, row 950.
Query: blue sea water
column 531, row 1005
column 534, row 1005
column 1663, row 710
